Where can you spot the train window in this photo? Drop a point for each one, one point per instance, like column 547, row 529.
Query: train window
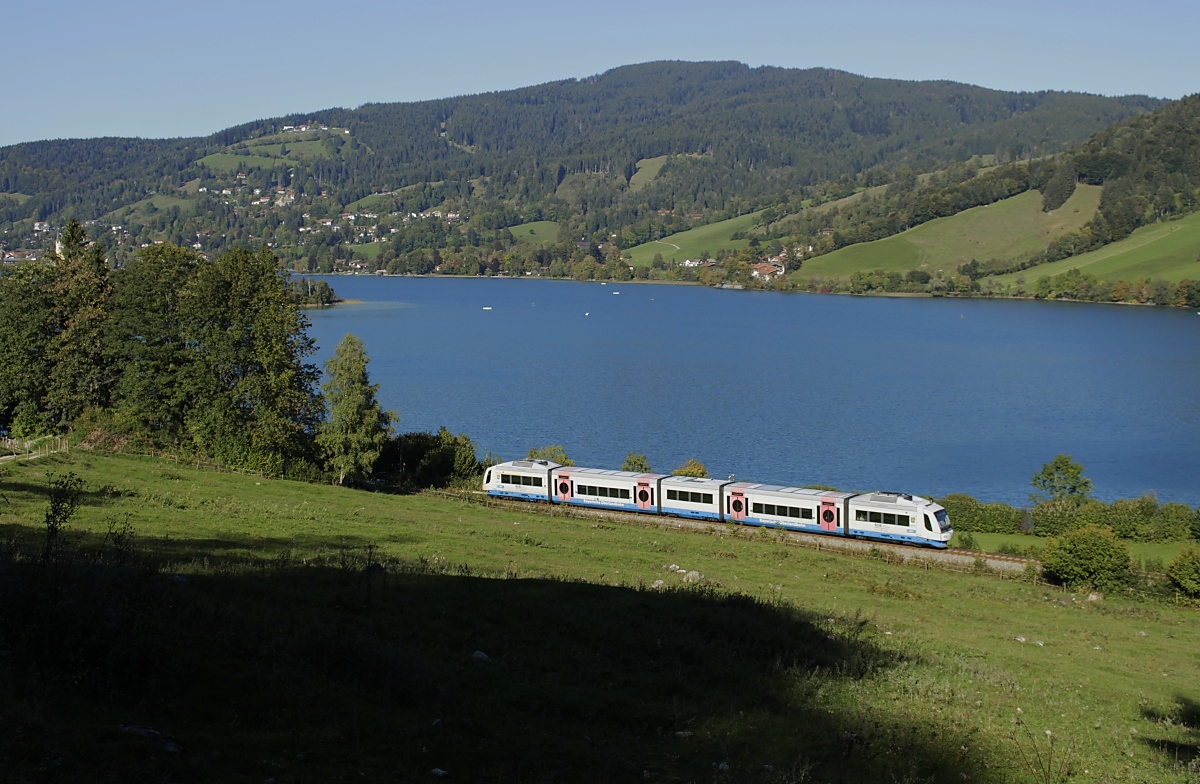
column 505, row 479
column 806, row 514
column 671, row 495
column 602, row 492
column 487, row 480
column 625, row 493
column 902, row 520
column 860, row 515
column 876, row 517
column 889, row 519
column 793, row 511
column 527, row 480
column 756, row 508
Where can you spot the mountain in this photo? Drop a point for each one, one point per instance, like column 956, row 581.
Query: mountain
column 736, row 137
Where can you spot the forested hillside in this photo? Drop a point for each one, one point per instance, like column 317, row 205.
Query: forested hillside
column 735, row 138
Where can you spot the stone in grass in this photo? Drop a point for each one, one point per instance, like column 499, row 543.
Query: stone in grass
column 657, row 584
column 480, row 655
column 693, row 577
column 439, row 772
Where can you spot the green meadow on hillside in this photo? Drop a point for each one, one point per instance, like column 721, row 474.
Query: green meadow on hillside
column 286, row 631
column 536, row 232
column 1168, row 250
column 691, row 243
column 1007, row 229
column 226, row 162
column 647, row 170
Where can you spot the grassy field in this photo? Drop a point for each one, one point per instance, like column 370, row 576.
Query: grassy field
column 536, row 232
column 691, row 243
column 1169, row 250
column 647, row 170
column 228, row 162
column 20, row 198
column 294, row 632
column 306, row 150
column 1006, row 229
column 161, row 201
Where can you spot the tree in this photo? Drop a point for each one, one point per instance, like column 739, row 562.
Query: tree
column 256, row 403
column 635, row 461
column 1184, row 572
column 552, row 452
column 145, row 341
column 1088, row 555
column 353, row 437
column 692, row 467
column 1061, row 479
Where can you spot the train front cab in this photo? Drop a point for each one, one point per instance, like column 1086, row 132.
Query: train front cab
column 527, row 480
column 899, row 518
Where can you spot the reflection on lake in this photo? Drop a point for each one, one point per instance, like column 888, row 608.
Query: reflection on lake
column 918, row 395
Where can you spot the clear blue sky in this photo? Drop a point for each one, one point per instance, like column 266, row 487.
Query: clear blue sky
column 140, row 68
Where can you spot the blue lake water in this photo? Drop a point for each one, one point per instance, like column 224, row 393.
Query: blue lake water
column 927, row 396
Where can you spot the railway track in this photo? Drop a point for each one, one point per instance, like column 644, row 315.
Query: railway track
column 953, row 559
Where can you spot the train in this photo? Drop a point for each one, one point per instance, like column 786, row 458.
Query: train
column 898, row 518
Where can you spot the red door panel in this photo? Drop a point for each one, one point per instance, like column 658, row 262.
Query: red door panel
column 562, row 487
column 737, row 505
column 829, row 516
column 644, row 495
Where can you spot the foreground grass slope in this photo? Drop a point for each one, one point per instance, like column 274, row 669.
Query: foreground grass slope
column 308, row 633
column 1007, row 229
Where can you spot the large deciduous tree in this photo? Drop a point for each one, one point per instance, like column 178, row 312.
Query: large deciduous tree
column 354, row 436
column 1061, row 479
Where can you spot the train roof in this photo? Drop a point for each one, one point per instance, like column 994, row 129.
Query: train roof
column 541, row 465
column 694, row 481
column 573, row 471
column 807, row 492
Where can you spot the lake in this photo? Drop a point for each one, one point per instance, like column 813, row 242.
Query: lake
column 926, row 396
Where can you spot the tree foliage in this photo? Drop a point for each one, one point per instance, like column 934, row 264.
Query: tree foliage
column 353, row 436
column 1090, row 555
column 691, row 467
column 1061, row 480
column 1184, row 572
column 636, row 461
column 552, row 452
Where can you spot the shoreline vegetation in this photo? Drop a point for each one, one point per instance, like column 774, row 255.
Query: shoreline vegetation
column 1141, row 295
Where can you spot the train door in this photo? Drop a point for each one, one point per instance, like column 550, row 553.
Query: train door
column 829, row 515
column 563, row 488
column 737, row 505
column 644, row 495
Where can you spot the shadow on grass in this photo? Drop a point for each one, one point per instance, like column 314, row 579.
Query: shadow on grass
column 370, row 670
column 1184, row 718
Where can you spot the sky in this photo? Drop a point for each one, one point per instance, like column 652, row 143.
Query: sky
column 70, row 68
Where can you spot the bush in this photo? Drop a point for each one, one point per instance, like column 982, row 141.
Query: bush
column 1089, row 555
column 968, row 514
column 1184, row 572
column 1052, row 518
column 965, row 540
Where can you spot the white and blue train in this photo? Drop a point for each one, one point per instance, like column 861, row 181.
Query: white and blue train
column 887, row 517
